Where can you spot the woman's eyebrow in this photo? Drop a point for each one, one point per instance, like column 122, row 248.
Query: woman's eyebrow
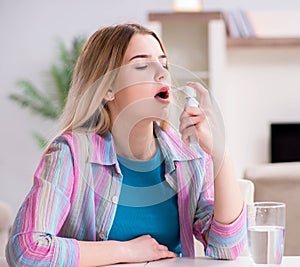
column 146, row 56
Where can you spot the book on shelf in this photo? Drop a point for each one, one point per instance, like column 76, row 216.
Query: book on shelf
column 238, row 24
column 262, row 24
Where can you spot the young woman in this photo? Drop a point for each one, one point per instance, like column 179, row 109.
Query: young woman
column 117, row 184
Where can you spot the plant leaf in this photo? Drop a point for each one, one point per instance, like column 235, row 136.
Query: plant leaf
column 41, row 140
column 36, row 101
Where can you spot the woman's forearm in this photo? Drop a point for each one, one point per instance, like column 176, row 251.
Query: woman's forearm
column 141, row 249
column 100, row 253
column 228, row 198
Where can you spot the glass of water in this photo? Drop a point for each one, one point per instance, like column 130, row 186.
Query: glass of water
column 266, row 232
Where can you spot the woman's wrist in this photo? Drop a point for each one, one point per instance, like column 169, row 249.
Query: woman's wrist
column 220, row 159
column 101, row 253
column 123, row 251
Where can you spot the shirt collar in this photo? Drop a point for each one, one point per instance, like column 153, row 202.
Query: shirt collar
column 103, row 150
column 173, row 149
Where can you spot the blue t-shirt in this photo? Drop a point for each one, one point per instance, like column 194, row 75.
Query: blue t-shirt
column 147, row 204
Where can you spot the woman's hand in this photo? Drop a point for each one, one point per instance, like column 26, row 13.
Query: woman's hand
column 145, row 248
column 204, row 123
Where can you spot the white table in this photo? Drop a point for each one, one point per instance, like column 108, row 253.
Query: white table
column 288, row 261
column 208, row 262
column 243, row 261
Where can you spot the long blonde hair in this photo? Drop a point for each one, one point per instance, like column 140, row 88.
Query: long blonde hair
column 101, row 55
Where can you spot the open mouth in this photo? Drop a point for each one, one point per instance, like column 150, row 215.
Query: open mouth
column 163, row 93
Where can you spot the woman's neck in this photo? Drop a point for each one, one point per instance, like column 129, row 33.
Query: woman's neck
column 137, row 143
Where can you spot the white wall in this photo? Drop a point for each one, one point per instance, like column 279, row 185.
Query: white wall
column 28, row 31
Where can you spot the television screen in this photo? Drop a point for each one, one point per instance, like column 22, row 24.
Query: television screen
column 285, row 142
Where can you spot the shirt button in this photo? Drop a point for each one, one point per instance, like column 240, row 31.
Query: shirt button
column 114, row 199
column 102, row 235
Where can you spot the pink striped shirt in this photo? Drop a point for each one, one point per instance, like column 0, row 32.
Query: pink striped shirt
column 75, row 195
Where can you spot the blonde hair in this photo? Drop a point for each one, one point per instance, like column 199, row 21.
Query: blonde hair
column 94, row 72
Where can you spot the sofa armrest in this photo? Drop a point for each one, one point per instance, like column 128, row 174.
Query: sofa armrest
column 275, row 171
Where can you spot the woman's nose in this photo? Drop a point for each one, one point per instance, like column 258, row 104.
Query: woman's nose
column 162, row 74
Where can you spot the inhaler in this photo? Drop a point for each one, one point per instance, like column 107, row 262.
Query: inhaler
column 190, row 96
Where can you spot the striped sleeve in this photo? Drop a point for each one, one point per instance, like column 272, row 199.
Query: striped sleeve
column 34, row 239
column 227, row 241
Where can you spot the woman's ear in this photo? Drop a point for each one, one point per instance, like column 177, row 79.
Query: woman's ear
column 109, row 96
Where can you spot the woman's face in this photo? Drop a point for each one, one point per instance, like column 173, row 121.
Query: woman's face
column 141, row 89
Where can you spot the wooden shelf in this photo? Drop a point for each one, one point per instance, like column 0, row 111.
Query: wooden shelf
column 185, row 16
column 205, row 17
column 260, row 42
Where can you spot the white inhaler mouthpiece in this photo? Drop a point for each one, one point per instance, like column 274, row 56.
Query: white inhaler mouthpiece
column 190, row 96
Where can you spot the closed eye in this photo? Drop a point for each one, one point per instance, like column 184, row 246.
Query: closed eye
column 144, row 66
column 141, row 67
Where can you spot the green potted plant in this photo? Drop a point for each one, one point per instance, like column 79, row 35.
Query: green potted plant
column 49, row 104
